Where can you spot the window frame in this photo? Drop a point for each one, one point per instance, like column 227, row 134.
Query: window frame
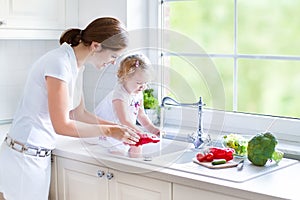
column 286, row 129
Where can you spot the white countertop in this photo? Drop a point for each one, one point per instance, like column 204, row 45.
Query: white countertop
column 279, row 184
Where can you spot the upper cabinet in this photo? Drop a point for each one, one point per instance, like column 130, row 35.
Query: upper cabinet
column 36, row 19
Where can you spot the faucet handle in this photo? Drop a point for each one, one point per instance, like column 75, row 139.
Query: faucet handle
column 199, row 139
column 191, row 137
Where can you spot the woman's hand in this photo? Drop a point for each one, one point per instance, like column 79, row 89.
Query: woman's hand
column 123, row 133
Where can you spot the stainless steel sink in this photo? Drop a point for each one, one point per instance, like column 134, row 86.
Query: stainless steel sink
column 186, row 157
column 165, row 147
column 177, row 157
column 180, row 156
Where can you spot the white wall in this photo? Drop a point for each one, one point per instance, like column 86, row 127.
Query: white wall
column 16, row 57
column 91, row 9
column 97, row 83
column 134, row 14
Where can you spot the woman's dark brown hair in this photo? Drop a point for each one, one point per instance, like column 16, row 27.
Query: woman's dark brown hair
column 106, row 30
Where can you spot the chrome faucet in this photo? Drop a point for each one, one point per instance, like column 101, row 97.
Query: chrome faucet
column 199, row 139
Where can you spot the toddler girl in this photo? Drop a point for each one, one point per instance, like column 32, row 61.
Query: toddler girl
column 124, row 105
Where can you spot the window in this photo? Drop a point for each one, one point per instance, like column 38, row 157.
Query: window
column 242, row 57
column 254, row 47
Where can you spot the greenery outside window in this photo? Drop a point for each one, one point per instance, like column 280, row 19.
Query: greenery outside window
column 254, row 45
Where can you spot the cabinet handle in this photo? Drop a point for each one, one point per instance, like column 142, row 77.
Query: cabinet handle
column 100, row 173
column 2, row 23
column 109, row 175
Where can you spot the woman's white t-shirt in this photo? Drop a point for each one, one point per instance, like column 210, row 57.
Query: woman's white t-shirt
column 24, row 176
column 32, row 124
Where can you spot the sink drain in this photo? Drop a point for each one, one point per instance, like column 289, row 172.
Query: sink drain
column 147, row 158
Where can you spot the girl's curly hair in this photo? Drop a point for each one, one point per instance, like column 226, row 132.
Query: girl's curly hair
column 131, row 63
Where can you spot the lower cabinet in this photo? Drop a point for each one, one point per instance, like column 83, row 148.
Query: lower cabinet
column 75, row 180
column 136, row 187
column 181, row 192
column 80, row 181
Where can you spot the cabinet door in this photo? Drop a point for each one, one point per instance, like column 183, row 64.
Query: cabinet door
column 78, row 181
column 35, row 14
column 53, row 185
column 125, row 186
column 181, row 192
column 37, row 19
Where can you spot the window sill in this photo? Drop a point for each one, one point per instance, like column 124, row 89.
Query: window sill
column 290, row 149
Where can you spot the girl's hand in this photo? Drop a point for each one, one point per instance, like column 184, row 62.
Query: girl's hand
column 160, row 133
column 154, row 130
column 123, row 133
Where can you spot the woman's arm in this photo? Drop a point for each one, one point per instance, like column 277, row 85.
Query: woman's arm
column 58, row 102
column 81, row 114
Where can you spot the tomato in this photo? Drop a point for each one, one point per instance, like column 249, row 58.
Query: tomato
column 200, row 157
column 205, row 157
column 209, row 157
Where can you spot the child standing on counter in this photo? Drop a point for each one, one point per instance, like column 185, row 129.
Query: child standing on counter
column 124, row 105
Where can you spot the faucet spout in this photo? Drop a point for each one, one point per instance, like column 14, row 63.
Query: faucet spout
column 199, row 138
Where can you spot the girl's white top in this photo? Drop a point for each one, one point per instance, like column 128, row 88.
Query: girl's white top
column 106, row 111
column 31, row 124
column 105, row 108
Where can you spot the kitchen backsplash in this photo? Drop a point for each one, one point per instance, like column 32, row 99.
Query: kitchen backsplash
column 97, row 84
column 16, row 57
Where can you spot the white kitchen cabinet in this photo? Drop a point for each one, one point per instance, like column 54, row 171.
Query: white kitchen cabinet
column 53, row 185
column 36, row 19
column 181, row 192
column 79, row 181
column 127, row 186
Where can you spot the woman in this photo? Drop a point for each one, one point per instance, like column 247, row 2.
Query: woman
column 53, row 104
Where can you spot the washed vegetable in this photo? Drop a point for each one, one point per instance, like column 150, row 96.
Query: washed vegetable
column 237, row 142
column 200, row 157
column 261, row 148
column 222, row 153
column 218, row 161
column 277, row 156
column 215, row 153
column 205, row 157
column 145, row 139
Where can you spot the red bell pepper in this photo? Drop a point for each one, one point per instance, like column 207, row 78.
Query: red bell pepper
column 216, row 153
column 145, row 139
column 222, row 153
